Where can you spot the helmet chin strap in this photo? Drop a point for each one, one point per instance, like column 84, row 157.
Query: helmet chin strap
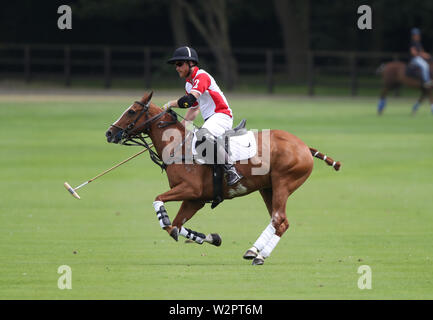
column 189, row 70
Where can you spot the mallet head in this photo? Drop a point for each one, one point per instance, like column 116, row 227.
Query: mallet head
column 71, row 190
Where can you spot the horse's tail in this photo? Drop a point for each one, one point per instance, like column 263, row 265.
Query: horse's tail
column 335, row 164
column 380, row 69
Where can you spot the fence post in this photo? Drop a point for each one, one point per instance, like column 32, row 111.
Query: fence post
column 107, row 67
column 311, row 83
column 353, row 74
column 269, row 70
column 67, row 65
column 147, row 67
column 27, row 62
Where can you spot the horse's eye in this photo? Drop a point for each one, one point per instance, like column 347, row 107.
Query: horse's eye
column 131, row 112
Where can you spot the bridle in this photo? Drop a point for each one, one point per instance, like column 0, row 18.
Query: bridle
column 126, row 132
column 129, row 138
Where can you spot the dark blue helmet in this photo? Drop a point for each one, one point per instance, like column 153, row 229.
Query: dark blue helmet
column 184, row 54
column 415, row 31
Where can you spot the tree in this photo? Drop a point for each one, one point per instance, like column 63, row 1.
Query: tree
column 294, row 19
column 178, row 24
column 210, row 20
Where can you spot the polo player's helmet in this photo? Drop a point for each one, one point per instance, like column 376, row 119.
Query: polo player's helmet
column 415, row 31
column 184, row 54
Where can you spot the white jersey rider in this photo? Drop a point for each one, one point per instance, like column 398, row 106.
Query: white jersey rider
column 420, row 57
column 203, row 94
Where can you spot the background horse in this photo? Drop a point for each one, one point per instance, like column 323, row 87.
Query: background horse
column 394, row 74
column 290, row 163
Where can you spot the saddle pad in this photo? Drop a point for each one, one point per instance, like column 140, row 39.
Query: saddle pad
column 240, row 147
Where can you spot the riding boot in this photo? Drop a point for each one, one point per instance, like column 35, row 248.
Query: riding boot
column 233, row 176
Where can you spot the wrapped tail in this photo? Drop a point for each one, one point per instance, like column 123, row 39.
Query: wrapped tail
column 335, row 164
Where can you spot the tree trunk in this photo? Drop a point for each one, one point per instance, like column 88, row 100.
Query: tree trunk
column 294, row 19
column 210, row 20
column 178, row 24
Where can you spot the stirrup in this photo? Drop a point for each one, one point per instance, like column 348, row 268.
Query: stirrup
column 233, row 176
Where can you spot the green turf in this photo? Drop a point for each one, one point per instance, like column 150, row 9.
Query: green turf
column 376, row 211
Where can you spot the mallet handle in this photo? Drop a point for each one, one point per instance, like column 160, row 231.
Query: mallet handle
column 119, row 164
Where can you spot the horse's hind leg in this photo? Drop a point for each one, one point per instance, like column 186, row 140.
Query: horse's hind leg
column 430, row 96
column 382, row 101
column 186, row 212
column 278, row 225
column 267, row 198
column 260, row 243
column 282, row 188
column 275, row 200
column 419, row 101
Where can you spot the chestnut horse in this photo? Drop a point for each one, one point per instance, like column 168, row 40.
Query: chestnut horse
column 290, row 162
column 394, row 75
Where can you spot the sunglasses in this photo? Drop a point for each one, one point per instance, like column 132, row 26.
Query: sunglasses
column 179, row 63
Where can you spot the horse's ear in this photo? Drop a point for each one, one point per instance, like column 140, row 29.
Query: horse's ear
column 147, row 99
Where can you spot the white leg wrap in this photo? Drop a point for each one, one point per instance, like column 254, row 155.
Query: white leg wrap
column 190, row 235
column 162, row 216
column 157, row 205
column 264, row 237
column 270, row 246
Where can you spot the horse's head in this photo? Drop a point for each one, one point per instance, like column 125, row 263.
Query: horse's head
column 134, row 120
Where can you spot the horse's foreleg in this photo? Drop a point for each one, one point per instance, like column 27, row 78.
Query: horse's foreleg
column 178, row 193
column 186, row 212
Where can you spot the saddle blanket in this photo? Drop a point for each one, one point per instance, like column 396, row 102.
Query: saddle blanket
column 241, row 147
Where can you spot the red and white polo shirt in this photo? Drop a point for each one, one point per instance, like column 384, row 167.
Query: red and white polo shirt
column 211, row 99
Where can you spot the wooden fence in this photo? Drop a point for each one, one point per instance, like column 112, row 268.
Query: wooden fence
column 268, row 67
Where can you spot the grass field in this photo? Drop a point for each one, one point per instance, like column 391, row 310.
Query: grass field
column 377, row 211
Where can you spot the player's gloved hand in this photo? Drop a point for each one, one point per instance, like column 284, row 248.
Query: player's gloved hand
column 166, row 106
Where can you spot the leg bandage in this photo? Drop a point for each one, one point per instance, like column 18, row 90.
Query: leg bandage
column 192, row 235
column 265, row 237
column 161, row 214
column 270, row 245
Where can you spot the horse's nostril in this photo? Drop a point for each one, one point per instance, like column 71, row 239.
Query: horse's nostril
column 108, row 133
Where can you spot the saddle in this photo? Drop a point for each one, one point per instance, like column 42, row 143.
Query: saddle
column 238, row 130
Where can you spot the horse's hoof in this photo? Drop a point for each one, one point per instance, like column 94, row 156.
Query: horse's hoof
column 250, row 254
column 216, row 239
column 174, row 233
column 258, row 261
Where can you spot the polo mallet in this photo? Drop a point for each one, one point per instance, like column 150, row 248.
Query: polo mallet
column 73, row 191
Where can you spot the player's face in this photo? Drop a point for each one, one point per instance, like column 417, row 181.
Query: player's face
column 416, row 37
column 182, row 68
